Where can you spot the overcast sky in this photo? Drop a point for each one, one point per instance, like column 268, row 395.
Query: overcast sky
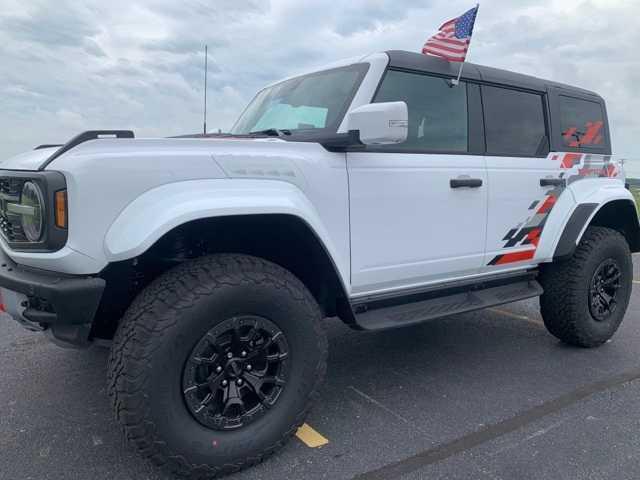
column 68, row 66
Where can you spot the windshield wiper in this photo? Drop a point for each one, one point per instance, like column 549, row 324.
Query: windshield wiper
column 272, row 132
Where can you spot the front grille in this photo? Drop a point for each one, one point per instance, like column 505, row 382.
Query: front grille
column 10, row 225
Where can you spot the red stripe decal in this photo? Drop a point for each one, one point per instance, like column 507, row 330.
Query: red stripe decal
column 570, row 159
column 516, row 257
column 548, row 204
column 534, row 236
column 593, row 129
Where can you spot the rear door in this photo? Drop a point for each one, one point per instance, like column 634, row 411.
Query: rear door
column 517, row 158
column 419, row 209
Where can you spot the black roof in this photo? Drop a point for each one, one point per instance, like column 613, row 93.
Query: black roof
column 431, row 64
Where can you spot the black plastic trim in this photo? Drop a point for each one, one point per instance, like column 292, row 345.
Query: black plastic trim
column 475, row 114
column 569, row 238
column 46, row 145
column 412, row 295
column 553, row 182
column 489, row 75
column 340, row 142
column 465, row 182
column 74, row 299
column 85, row 137
column 449, row 303
column 70, row 336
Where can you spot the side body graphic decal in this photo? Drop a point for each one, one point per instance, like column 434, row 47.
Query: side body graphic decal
column 572, row 167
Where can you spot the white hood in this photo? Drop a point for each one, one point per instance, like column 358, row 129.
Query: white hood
column 29, row 160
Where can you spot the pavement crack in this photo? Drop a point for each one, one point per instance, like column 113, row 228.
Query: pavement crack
column 379, row 405
column 491, row 432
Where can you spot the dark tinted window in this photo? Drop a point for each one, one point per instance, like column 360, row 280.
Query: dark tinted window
column 514, row 122
column 582, row 123
column 437, row 112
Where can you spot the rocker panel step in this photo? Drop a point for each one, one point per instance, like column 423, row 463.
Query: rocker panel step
column 413, row 312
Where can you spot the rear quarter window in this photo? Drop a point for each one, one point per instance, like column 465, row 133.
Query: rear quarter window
column 582, row 123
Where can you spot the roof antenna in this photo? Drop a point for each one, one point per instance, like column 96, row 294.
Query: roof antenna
column 206, row 57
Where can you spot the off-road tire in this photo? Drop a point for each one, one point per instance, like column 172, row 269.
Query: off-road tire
column 564, row 305
column 156, row 336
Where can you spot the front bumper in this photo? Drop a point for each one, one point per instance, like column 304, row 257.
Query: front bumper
column 50, row 299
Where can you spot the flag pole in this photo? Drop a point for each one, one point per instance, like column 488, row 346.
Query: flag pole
column 456, row 82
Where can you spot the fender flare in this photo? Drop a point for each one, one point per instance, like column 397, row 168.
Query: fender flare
column 159, row 210
column 577, row 223
column 581, row 217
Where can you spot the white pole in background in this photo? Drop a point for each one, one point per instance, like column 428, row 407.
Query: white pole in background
column 206, row 55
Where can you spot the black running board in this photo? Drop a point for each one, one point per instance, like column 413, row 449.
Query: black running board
column 398, row 313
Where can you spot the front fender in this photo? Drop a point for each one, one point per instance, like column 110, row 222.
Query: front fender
column 157, row 211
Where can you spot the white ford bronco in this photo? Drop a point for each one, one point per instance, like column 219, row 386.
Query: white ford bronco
column 375, row 190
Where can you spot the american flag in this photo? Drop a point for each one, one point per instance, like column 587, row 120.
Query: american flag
column 452, row 41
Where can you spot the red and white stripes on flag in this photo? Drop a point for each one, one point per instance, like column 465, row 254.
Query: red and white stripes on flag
column 453, row 39
column 445, row 44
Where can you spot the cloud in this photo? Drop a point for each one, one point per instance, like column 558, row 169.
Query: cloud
column 69, row 24
column 69, row 66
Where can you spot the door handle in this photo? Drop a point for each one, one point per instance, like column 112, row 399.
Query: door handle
column 465, row 183
column 553, row 182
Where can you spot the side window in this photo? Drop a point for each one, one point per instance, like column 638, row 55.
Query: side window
column 514, row 122
column 437, row 112
column 582, row 123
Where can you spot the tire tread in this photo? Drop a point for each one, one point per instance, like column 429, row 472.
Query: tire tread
column 149, row 318
column 564, row 283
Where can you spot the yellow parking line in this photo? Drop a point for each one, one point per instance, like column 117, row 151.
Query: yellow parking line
column 310, row 437
column 636, row 281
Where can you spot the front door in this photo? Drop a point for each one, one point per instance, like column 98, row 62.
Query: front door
column 418, row 210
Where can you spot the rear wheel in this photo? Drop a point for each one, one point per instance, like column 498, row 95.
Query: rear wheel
column 216, row 364
column 585, row 298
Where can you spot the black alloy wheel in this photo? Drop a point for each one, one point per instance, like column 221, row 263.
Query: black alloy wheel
column 603, row 291
column 236, row 372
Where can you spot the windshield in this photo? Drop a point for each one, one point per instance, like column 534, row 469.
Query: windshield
column 315, row 101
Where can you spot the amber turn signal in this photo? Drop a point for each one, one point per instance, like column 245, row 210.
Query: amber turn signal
column 61, row 209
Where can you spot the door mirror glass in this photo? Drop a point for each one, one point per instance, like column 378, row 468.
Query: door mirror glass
column 380, row 123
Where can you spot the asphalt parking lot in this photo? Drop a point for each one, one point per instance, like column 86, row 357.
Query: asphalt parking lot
column 485, row 395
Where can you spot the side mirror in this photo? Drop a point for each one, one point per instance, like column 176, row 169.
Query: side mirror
column 380, row 123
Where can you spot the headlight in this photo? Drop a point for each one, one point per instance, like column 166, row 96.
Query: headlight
column 32, row 217
column 33, row 211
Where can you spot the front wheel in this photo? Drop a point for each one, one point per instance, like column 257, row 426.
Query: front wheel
column 586, row 297
column 216, row 364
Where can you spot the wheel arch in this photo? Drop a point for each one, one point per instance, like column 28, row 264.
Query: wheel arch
column 618, row 213
column 284, row 239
